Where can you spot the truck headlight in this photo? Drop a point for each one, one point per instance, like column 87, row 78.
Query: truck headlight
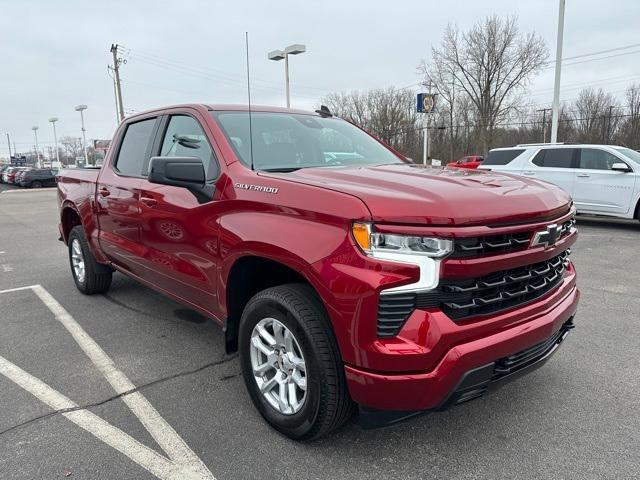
column 371, row 242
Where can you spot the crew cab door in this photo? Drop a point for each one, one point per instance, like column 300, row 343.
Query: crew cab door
column 179, row 234
column 118, row 193
column 553, row 165
column 599, row 189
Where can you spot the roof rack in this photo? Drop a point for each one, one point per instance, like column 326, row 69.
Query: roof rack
column 546, row 143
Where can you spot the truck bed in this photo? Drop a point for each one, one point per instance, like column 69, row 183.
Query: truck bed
column 76, row 186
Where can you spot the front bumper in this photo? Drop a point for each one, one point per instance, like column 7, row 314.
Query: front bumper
column 465, row 369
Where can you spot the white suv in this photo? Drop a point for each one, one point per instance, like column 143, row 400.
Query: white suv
column 602, row 179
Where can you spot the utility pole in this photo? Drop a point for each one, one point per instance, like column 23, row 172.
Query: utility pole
column 611, row 107
column 116, row 69
column 556, row 85
column 9, row 145
column 544, row 123
column 115, row 93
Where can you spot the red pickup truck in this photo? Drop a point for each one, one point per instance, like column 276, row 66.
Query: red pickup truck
column 345, row 275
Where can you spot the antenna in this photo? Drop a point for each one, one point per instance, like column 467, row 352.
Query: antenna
column 246, row 41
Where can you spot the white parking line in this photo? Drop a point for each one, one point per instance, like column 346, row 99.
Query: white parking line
column 183, row 463
column 112, row 436
column 17, row 289
column 32, row 190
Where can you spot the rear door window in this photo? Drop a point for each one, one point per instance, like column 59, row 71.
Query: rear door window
column 501, row 157
column 595, row 159
column 135, row 148
column 555, row 158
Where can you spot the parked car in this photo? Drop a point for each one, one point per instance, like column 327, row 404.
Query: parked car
column 20, row 174
column 3, row 168
column 6, row 172
column 342, row 280
column 9, row 175
column 37, row 178
column 471, row 161
column 602, row 179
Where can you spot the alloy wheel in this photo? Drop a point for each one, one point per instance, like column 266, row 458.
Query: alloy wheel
column 278, row 366
column 77, row 260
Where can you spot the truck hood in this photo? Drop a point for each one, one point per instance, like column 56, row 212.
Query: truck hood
column 413, row 194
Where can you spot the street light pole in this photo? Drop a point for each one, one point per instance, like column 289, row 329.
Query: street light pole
column 81, row 109
column 556, row 85
column 9, row 145
column 278, row 55
column 286, row 79
column 53, row 121
column 35, row 132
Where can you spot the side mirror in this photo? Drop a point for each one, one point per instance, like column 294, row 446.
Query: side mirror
column 620, row 167
column 186, row 172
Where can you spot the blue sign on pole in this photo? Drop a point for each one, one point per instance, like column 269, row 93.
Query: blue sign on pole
column 425, row 102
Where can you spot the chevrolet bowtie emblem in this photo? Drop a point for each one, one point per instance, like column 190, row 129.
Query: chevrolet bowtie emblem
column 547, row 237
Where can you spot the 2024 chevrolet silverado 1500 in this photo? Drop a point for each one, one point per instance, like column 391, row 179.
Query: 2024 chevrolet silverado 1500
column 342, row 273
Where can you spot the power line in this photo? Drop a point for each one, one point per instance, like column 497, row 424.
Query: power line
column 616, row 49
column 207, row 76
column 604, row 81
column 594, row 59
column 208, row 72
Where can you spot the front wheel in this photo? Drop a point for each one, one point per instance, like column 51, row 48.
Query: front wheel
column 89, row 276
column 291, row 363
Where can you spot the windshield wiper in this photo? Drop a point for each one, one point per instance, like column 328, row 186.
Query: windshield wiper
column 281, row 169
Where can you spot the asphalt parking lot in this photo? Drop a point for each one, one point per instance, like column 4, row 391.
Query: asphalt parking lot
column 575, row 418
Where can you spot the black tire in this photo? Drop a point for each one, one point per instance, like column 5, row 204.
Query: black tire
column 327, row 404
column 97, row 277
column 35, row 184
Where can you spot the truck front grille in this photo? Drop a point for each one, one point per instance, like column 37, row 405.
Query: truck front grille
column 462, row 299
column 476, row 246
column 501, row 290
column 465, row 247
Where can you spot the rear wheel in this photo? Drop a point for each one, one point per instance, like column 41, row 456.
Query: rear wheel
column 36, row 184
column 291, row 363
column 89, row 275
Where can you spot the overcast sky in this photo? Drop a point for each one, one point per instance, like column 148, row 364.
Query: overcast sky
column 54, row 55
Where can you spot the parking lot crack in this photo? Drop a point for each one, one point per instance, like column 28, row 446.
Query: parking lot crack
column 104, row 401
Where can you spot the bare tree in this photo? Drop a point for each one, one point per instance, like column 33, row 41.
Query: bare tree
column 388, row 113
column 71, row 147
column 491, row 63
column 593, row 116
column 629, row 131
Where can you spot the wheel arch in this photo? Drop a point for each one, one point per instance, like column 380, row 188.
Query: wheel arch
column 69, row 218
column 246, row 277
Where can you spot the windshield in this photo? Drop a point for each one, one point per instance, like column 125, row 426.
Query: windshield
column 287, row 141
column 632, row 154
